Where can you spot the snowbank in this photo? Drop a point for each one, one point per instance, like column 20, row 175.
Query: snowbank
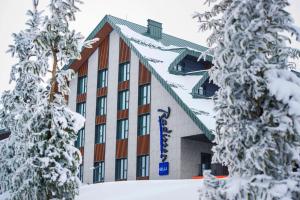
column 145, row 190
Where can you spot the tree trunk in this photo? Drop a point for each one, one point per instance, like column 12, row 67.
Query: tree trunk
column 53, row 78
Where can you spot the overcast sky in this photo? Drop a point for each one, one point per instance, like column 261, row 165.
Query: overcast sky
column 175, row 15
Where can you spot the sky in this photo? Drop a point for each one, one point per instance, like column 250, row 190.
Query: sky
column 175, row 15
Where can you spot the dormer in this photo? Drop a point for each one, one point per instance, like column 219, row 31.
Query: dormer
column 189, row 65
column 204, row 88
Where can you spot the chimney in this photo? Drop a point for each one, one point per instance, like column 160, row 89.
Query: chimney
column 154, row 29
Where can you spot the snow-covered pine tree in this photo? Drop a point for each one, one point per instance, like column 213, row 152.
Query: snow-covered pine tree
column 54, row 125
column 258, row 104
column 17, row 108
column 38, row 116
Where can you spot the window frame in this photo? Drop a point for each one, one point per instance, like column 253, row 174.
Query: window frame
column 81, row 108
column 99, row 172
column 79, row 142
column 123, row 100
column 124, row 72
column 121, row 172
column 122, row 129
column 143, row 166
column 144, row 94
column 101, row 106
column 102, row 80
column 100, row 136
column 82, row 85
column 144, row 124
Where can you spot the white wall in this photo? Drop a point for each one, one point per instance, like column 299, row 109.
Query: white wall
column 133, row 111
column 112, row 99
column 90, row 118
column 73, row 93
column 179, row 122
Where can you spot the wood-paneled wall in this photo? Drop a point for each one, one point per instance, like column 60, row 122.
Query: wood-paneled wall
column 103, row 53
column 124, row 55
column 122, row 149
column 144, row 75
column 99, row 152
column 143, row 145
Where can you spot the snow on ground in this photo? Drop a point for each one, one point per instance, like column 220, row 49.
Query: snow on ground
column 142, row 190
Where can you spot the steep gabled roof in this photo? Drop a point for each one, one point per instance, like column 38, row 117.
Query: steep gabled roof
column 159, row 56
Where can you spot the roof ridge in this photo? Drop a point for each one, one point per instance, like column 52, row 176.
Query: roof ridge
column 164, row 34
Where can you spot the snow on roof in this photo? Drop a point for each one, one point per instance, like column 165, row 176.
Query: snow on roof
column 160, row 58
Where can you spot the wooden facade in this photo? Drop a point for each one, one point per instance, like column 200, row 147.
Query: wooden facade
column 99, row 152
column 144, row 75
column 122, row 149
column 143, row 145
column 124, row 54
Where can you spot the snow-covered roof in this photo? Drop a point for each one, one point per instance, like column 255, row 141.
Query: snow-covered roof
column 159, row 55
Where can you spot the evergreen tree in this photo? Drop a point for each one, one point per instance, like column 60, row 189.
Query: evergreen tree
column 258, row 104
column 43, row 129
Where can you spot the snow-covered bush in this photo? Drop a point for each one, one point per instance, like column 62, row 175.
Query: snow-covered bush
column 258, row 104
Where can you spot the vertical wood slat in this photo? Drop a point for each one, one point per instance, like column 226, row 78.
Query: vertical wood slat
column 101, row 92
column 124, row 55
column 100, row 119
column 144, row 75
column 122, row 114
column 99, row 152
column 103, row 53
column 83, row 69
column 143, row 109
column 122, row 149
column 123, row 85
column 143, row 145
column 81, row 98
column 86, row 52
column 81, row 149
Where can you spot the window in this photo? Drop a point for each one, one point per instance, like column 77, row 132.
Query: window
column 82, row 85
column 80, row 138
column 200, row 91
column 122, row 129
column 100, row 134
column 121, row 169
column 143, row 166
column 102, row 78
column 124, row 72
column 123, row 100
column 80, row 173
column 99, row 172
column 101, row 106
column 81, row 108
column 144, row 94
column 144, row 125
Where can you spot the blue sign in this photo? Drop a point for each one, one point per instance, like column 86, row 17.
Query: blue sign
column 165, row 134
column 164, row 168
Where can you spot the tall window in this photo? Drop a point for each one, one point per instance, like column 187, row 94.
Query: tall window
column 80, row 173
column 82, row 85
column 143, row 166
column 80, row 138
column 102, row 78
column 99, row 172
column 81, row 108
column 123, row 100
column 101, row 106
column 100, row 134
column 144, row 94
column 121, row 169
column 122, row 129
column 144, row 124
column 124, row 70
